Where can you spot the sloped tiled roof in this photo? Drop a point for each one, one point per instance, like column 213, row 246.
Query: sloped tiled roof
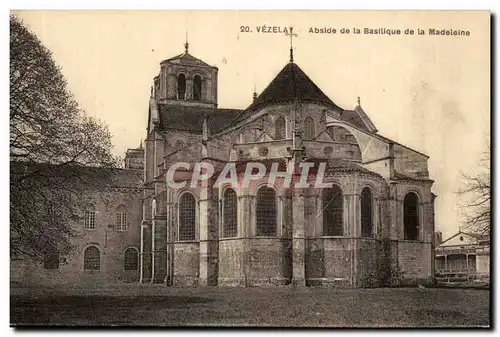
column 189, row 118
column 352, row 117
column 401, row 176
column 83, row 176
column 339, row 165
column 291, row 83
column 188, row 57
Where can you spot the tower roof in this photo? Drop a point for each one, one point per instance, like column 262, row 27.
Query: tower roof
column 189, row 59
column 289, row 85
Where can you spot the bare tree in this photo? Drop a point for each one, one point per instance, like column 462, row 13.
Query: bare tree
column 476, row 192
column 56, row 151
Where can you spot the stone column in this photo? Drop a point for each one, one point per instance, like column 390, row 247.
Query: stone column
column 169, row 239
column 298, row 237
column 189, row 88
column 395, row 220
column 352, row 221
column 145, row 267
column 209, row 234
column 352, row 216
column 245, row 230
column 159, row 253
column 318, row 215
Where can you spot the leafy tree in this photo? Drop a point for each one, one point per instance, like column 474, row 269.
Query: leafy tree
column 57, row 153
column 476, row 191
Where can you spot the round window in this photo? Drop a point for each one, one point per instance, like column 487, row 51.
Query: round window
column 328, row 150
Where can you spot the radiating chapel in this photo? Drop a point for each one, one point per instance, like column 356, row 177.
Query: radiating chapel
column 373, row 227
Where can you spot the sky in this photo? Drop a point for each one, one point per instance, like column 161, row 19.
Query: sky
column 431, row 93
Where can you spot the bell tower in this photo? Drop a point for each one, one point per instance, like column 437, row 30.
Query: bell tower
column 186, row 80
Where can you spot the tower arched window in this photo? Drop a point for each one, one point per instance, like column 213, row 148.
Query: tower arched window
column 197, row 88
column 333, row 212
column 230, row 208
column 181, row 86
column 130, row 259
column 92, row 258
column 410, row 216
column 309, row 131
column 366, row 213
column 266, row 212
column 280, row 128
column 187, row 217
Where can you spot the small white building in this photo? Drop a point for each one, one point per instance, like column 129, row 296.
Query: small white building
column 463, row 257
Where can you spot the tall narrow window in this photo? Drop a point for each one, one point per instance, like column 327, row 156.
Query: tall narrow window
column 230, row 227
column 410, row 216
column 266, row 212
column 187, row 217
column 51, row 259
column 309, row 131
column 333, row 212
column 89, row 220
column 181, row 86
column 366, row 213
column 197, row 88
column 92, row 258
column 280, row 128
column 121, row 220
column 130, row 259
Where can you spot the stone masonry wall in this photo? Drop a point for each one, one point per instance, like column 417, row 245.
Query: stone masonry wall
column 111, row 244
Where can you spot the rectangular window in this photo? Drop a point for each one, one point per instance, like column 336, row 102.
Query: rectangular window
column 121, row 221
column 51, row 260
column 89, row 221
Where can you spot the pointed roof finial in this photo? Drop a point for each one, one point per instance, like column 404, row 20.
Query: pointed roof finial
column 359, row 101
column 140, row 144
column 254, row 92
column 186, row 45
column 292, row 35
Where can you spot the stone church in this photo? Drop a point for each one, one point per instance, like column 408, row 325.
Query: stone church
column 373, row 227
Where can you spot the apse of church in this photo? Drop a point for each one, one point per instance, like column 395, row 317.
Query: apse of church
column 372, row 227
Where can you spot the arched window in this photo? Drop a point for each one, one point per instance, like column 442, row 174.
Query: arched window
column 280, row 128
column 266, row 212
column 309, row 131
column 197, row 88
column 92, row 258
column 130, row 259
column 187, row 217
column 411, row 216
column 181, row 86
column 121, row 220
column 332, row 212
column 366, row 212
column 230, row 208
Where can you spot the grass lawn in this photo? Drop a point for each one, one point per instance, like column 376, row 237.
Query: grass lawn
column 158, row 305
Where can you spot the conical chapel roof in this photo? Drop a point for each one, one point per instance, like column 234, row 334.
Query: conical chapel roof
column 290, row 84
